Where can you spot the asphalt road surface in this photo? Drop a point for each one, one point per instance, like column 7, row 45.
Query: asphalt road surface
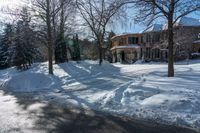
column 25, row 114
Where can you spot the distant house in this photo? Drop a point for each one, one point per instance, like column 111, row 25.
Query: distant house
column 126, row 48
column 152, row 44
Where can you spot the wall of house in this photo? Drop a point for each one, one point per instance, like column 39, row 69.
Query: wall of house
column 154, row 45
column 183, row 43
column 124, row 39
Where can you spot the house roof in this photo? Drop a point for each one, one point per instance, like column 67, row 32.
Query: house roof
column 154, row 28
column 185, row 21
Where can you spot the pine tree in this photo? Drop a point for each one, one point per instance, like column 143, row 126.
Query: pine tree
column 60, row 49
column 76, row 47
column 28, row 34
column 6, row 46
column 20, row 53
column 25, row 50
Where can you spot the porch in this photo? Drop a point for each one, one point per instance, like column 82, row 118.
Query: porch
column 126, row 53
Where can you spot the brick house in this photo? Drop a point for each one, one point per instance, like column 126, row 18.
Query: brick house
column 151, row 45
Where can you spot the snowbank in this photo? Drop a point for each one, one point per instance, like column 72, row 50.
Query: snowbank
column 30, row 82
column 137, row 90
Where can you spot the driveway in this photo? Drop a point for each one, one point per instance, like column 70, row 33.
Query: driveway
column 27, row 114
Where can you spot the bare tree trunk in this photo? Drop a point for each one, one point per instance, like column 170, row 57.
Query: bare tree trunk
column 50, row 45
column 50, row 58
column 54, row 33
column 170, row 45
column 100, row 52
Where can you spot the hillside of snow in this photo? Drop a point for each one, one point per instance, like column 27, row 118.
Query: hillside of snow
column 140, row 90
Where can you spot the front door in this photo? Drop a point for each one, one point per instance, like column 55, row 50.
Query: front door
column 123, row 56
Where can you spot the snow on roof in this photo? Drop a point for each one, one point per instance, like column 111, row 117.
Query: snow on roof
column 129, row 46
column 187, row 21
column 125, row 33
column 197, row 41
column 197, row 54
column 154, row 27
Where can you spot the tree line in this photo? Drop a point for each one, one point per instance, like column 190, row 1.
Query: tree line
column 54, row 20
column 18, row 43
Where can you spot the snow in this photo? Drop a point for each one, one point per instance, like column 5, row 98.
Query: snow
column 197, row 54
column 17, row 119
column 187, row 21
column 197, row 41
column 140, row 90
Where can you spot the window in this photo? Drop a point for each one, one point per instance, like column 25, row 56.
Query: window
column 148, row 54
column 157, row 53
column 141, row 39
column 122, row 41
column 148, row 38
column 133, row 40
column 136, row 40
column 130, row 40
column 157, row 38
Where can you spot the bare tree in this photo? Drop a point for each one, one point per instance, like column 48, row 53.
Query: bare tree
column 97, row 14
column 51, row 13
column 171, row 10
column 45, row 11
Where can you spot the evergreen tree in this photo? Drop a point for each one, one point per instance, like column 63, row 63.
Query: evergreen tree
column 6, row 46
column 25, row 50
column 60, row 49
column 29, row 38
column 76, row 48
column 20, row 53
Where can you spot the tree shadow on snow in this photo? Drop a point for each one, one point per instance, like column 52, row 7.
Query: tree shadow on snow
column 53, row 118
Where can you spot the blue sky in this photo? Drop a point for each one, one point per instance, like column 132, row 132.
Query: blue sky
column 136, row 28
column 119, row 28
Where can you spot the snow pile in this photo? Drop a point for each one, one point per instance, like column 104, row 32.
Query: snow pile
column 30, row 82
column 27, row 81
column 137, row 90
column 139, row 62
column 174, row 100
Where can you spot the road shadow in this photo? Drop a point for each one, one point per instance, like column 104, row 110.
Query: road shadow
column 56, row 119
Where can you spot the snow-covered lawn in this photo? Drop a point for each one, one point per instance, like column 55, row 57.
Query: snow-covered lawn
column 140, row 90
